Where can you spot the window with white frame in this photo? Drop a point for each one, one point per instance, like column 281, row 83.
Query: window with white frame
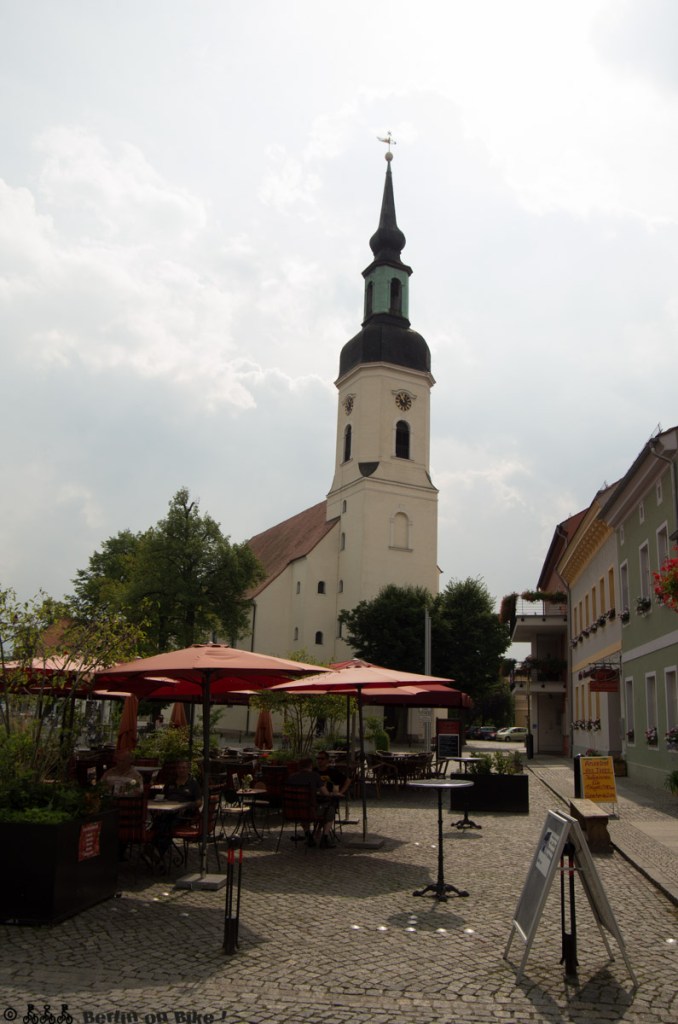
column 610, row 586
column 630, row 711
column 671, row 684
column 621, row 534
column 641, row 513
column 644, row 566
column 624, row 585
column 660, row 494
column 651, row 700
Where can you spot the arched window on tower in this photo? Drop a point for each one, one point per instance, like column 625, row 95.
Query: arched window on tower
column 396, row 305
column 321, row 586
column 400, row 531
column 319, row 637
column 402, row 440
column 369, row 294
column 348, row 432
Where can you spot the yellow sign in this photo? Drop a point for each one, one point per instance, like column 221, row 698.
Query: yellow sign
column 597, row 779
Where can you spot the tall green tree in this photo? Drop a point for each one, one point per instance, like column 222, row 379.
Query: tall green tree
column 389, row 630
column 469, row 641
column 182, row 578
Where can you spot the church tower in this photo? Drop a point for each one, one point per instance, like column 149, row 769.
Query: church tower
column 382, row 493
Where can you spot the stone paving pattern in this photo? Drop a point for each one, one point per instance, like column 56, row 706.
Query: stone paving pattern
column 336, row 936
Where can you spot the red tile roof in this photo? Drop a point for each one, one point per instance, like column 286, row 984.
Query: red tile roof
column 294, row 538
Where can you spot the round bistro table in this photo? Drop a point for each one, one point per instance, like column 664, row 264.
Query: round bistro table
column 440, row 889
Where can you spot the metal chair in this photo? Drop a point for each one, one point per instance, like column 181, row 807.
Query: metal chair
column 192, row 832
column 299, row 807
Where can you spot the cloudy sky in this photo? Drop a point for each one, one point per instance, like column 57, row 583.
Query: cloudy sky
column 187, row 191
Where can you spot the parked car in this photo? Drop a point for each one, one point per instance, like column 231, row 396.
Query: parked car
column 512, row 734
column 473, row 732
column 486, row 732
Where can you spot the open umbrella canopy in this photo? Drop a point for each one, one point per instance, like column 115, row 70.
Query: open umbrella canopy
column 211, row 668
column 353, row 677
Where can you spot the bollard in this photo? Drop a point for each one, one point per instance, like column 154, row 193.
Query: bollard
column 233, row 882
column 577, row 776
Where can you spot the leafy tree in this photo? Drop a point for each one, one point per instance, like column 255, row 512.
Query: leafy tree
column 467, row 638
column 389, row 629
column 48, row 654
column 469, row 642
column 182, row 578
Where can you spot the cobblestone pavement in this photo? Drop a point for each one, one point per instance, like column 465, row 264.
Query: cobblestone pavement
column 337, row 936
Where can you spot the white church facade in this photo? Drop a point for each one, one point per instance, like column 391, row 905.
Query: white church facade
column 378, row 523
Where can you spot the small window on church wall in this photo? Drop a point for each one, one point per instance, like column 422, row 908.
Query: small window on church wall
column 296, row 632
column 319, row 637
column 369, row 293
column 321, row 586
column 298, row 587
column 347, row 443
column 342, row 542
column 402, row 440
column 340, row 588
column 396, row 296
column 343, row 506
column 339, row 628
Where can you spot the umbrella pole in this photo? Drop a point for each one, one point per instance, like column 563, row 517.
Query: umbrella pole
column 205, row 772
column 361, row 740
column 191, row 722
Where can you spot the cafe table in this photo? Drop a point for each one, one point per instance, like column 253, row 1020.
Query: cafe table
column 441, row 889
column 464, row 763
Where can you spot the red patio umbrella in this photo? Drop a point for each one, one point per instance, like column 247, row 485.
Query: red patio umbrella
column 178, row 716
column 357, row 678
column 263, row 734
column 208, row 670
column 127, row 730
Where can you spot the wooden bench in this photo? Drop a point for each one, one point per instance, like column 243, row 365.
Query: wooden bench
column 593, row 820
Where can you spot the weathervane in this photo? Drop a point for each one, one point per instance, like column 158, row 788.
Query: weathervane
column 390, row 141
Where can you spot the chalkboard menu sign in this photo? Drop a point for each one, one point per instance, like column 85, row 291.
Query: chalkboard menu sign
column 448, row 744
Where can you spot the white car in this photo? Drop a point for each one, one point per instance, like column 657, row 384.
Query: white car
column 512, row 734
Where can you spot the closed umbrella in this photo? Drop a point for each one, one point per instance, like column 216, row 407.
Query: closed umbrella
column 263, row 734
column 178, row 717
column 127, row 730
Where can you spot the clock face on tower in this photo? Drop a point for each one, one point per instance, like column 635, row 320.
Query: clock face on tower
column 403, row 401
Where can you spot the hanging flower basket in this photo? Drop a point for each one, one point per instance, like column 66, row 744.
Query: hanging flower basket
column 643, row 604
column 666, row 583
column 625, row 615
column 672, row 738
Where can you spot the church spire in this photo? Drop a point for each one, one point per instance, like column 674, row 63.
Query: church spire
column 388, row 241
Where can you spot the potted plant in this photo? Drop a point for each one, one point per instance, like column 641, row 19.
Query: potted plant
column 643, row 604
column 671, row 781
column 672, row 738
column 499, row 784
column 666, row 583
column 651, row 736
column 59, row 838
column 624, row 615
column 631, row 735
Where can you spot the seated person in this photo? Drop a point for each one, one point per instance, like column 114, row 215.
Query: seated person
column 306, row 776
column 334, row 780
column 184, row 788
column 123, row 779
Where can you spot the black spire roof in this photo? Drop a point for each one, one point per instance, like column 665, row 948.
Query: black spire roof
column 388, row 241
column 386, row 337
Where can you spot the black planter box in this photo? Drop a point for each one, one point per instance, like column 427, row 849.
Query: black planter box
column 496, row 793
column 51, row 872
